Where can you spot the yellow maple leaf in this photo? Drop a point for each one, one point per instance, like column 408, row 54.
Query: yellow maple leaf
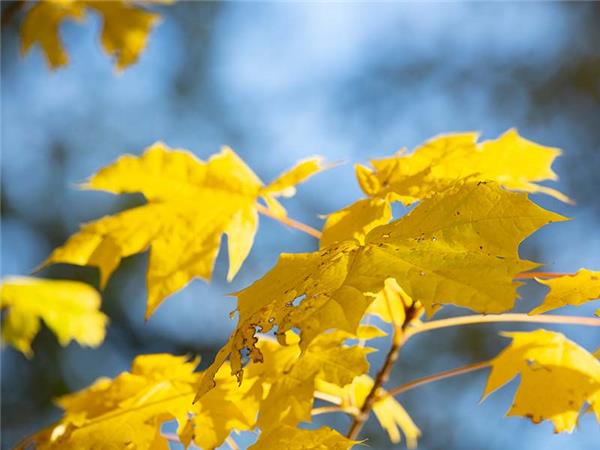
column 226, row 408
column 511, row 160
column 355, row 221
column 125, row 28
column 190, row 205
column 129, row 410
column 69, row 308
column 458, row 247
column 289, row 375
column 570, row 290
column 389, row 412
column 557, row 377
column 390, row 304
column 290, row 438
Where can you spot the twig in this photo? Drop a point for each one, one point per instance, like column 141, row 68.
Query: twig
column 289, row 222
column 232, row 444
column 328, row 398
column 530, row 275
column 491, row 318
column 436, row 377
column 334, row 409
column 398, row 340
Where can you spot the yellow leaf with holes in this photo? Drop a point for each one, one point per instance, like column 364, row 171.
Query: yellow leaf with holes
column 125, row 28
column 570, row 290
column 511, row 160
column 557, row 377
column 226, row 408
column 190, row 205
column 291, row 389
column 290, row 438
column 69, row 308
column 458, row 247
column 391, row 415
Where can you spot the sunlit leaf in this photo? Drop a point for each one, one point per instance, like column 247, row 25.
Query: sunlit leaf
column 190, row 205
column 556, row 377
column 69, row 308
column 570, row 290
column 511, row 160
column 459, row 247
column 290, row 438
column 125, row 28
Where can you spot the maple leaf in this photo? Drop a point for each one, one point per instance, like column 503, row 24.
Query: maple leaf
column 190, row 205
column 390, row 304
column 355, row 221
column 556, row 377
column 126, row 412
column 389, row 412
column 511, row 160
column 570, row 290
column 226, row 408
column 125, row 28
column 69, row 308
column 290, row 438
column 129, row 410
column 289, row 375
column 458, row 247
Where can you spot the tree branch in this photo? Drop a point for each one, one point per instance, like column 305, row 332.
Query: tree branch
column 289, row 222
column 530, row 275
column 495, row 318
column 398, row 340
column 436, row 377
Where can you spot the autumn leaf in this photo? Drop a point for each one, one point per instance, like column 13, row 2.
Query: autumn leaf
column 129, row 410
column 125, row 28
column 391, row 302
column 556, row 377
column 226, row 408
column 290, row 438
column 190, row 205
column 570, row 290
column 458, row 247
column 355, row 221
column 69, row 308
column 511, row 160
column 290, row 375
column 390, row 414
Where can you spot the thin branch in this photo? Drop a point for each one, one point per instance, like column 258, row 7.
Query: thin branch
column 491, row 318
column 530, row 275
column 232, row 444
column 328, row 398
column 398, row 339
column 289, row 222
column 382, row 376
column 334, row 409
column 436, row 377
column 171, row 437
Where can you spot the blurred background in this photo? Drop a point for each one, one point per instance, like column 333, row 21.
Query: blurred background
column 279, row 82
